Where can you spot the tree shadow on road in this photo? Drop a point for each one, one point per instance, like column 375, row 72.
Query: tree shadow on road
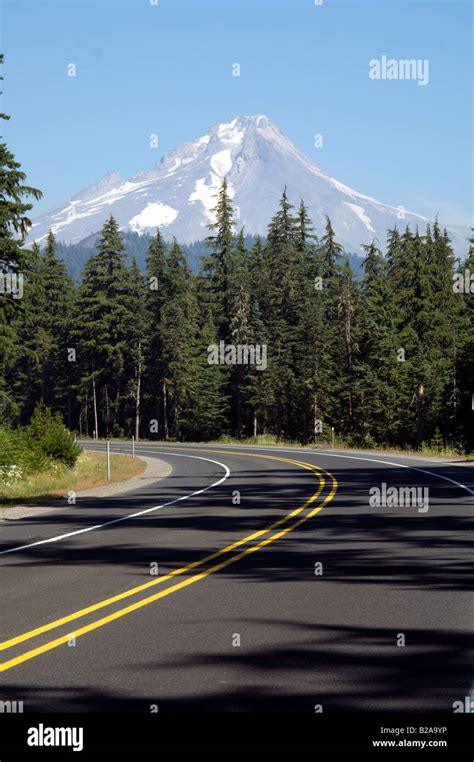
column 341, row 668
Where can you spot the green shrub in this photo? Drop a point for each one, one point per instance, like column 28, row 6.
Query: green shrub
column 41, row 446
column 8, row 449
column 60, row 444
column 48, row 433
column 41, row 421
column 18, row 451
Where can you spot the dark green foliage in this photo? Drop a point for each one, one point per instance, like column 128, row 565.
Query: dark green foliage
column 437, row 440
column 44, row 442
column 218, row 265
column 209, row 402
column 59, row 444
column 385, row 359
column 376, row 368
column 178, row 338
column 48, row 433
column 17, row 451
column 14, row 260
column 14, row 222
column 102, row 331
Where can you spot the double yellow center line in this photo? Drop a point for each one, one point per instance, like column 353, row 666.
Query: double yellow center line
column 222, row 564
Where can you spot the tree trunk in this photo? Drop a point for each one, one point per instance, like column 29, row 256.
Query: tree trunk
column 165, row 412
column 348, row 332
column 239, row 412
column 94, row 401
column 139, row 382
column 315, row 414
column 107, row 411
column 87, row 412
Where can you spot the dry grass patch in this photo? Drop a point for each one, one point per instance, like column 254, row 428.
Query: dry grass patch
column 89, row 471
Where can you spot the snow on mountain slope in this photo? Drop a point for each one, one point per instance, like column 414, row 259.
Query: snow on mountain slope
column 178, row 194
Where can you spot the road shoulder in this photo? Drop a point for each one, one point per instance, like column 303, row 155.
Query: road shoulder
column 155, row 471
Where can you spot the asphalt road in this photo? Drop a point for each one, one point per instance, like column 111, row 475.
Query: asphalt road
column 252, row 579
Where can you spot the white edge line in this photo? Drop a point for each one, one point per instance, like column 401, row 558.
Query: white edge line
column 403, row 465
column 373, row 460
column 131, row 515
column 351, row 457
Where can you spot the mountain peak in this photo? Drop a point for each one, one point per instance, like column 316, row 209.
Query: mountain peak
column 234, row 130
column 179, row 194
column 244, row 121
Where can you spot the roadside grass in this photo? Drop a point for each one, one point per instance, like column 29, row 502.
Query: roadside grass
column 89, row 471
column 424, row 452
column 447, row 453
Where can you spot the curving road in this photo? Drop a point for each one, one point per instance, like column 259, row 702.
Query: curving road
column 247, row 579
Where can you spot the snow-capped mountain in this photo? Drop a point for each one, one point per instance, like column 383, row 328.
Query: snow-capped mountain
column 178, row 194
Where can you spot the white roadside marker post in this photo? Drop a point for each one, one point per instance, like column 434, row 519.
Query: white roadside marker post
column 108, row 461
column 133, row 446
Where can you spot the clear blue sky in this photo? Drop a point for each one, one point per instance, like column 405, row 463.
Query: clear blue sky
column 166, row 69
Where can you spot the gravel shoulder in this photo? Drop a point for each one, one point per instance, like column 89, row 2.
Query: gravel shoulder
column 154, row 471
